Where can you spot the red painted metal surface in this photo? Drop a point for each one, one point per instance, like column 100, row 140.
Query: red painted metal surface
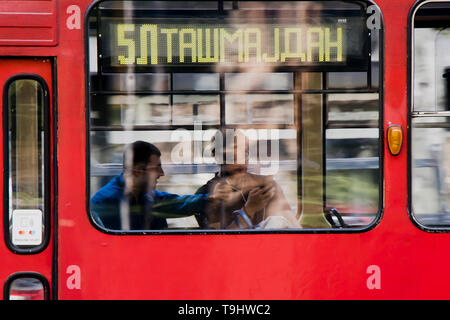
column 41, row 262
column 28, row 23
column 414, row 264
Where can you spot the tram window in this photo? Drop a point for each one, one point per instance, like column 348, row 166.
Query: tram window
column 430, row 113
column 259, row 81
column 27, row 288
column 190, row 109
column 357, row 107
column 27, row 200
column 264, row 115
column 130, row 82
column 340, row 80
column 259, row 108
column 195, row 81
column 126, row 110
column 161, row 5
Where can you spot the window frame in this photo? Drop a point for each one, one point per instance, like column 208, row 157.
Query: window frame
column 411, row 114
column 348, row 230
column 46, row 164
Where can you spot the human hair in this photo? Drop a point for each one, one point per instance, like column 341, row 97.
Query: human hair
column 138, row 153
column 230, row 144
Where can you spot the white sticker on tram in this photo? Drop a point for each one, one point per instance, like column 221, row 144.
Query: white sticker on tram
column 27, row 227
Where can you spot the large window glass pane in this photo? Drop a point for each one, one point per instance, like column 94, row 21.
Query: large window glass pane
column 430, row 112
column 252, row 115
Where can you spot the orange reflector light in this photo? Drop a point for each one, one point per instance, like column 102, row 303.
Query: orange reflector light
column 395, row 139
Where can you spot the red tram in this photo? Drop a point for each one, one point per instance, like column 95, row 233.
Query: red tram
column 343, row 191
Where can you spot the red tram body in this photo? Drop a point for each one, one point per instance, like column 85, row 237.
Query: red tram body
column 79, row 261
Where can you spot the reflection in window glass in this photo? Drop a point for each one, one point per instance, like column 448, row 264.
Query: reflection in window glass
column 375, row 60
column 350, row 80
column 360, row 108
column 353, row 172
column 430, row 68
column 129, row 81
column 26, row 162
column 193, row 81
column 260, row 120
column 131, row 110
column 259, row 81
column 264, row 108
column 430, row 163
column 26, row 289
column 161, row 5
column 311, row 80
column 430, row 171
column 190, row 109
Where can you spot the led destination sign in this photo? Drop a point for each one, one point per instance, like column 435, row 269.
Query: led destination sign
column 193, row 44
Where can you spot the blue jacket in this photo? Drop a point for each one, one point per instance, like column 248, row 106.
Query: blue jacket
column 106, row 204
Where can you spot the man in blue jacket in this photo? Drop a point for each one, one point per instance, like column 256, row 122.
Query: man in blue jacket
column 130, row 201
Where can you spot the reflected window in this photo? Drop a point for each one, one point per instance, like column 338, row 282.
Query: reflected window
column 190, row 109
column 196, row 81
column 23, row 287
column 259, row 81
column 259, row 108
column 430, row 112
column 250, row 115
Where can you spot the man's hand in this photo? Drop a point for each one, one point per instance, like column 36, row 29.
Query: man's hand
column 222, row 192
column 258, row 198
